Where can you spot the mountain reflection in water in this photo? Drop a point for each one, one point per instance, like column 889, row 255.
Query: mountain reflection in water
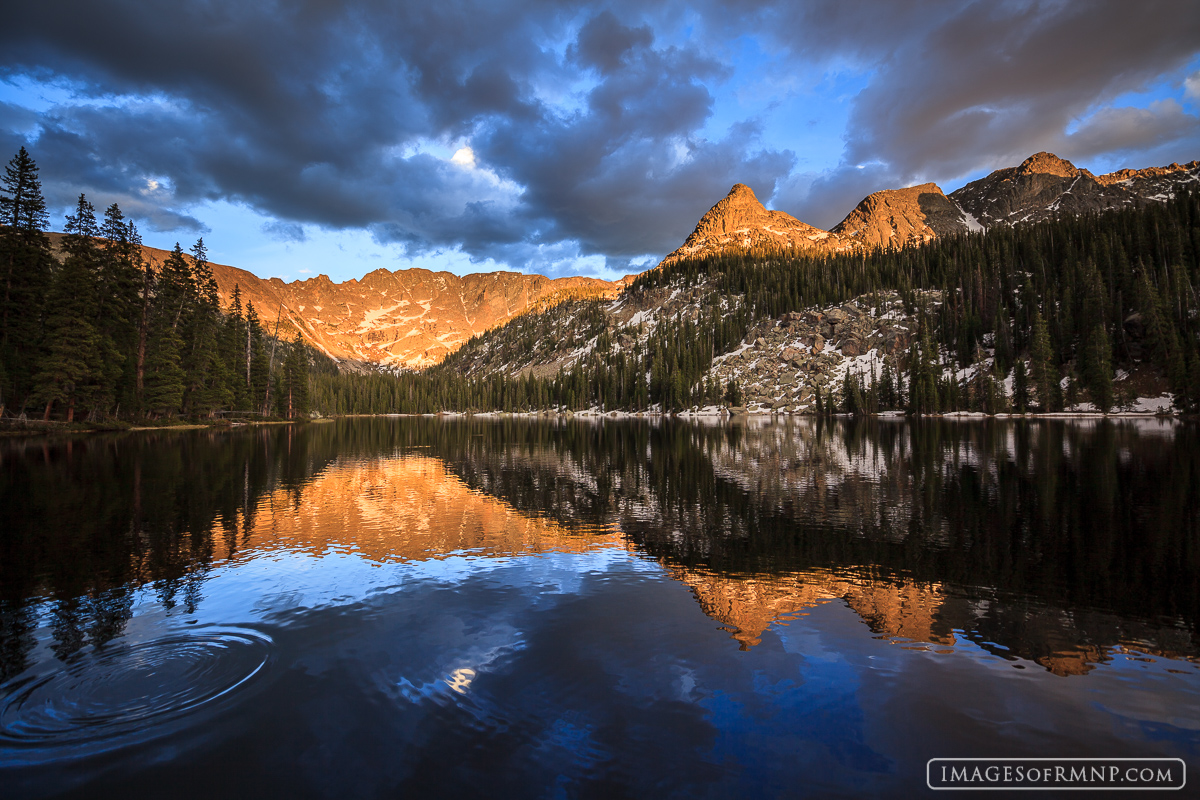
column 1070, row 545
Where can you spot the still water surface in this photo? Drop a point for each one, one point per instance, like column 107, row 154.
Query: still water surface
column 425, row 607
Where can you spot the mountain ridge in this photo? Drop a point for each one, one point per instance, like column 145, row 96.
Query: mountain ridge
column 413, row 318
column 1039, row 188
column 410, row 318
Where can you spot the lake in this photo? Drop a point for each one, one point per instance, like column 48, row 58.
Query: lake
column 431, row 607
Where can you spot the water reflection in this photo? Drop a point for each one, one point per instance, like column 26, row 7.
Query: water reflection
column 1062, row 543
column 404, row 508
column 551, row 608
column 1065, row 544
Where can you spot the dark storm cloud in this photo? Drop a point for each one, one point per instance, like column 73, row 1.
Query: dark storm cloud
column 308, row 113
column 585, row 119
column 604, row 41
column 960, row 87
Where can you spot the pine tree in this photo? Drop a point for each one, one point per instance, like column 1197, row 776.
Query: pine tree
column 257, row 365
column 733, row 393
column 145, row 307
column 887, row 388
column 79, row 360
column 234, row 350
column 164, row 383
column 1097, row 369
column 25, row 263
column 293, row 395
column 1045, row 376
column 207, row 380
column 923, row 382
column 1020, row 388
column 121, row 282
column 174, row 298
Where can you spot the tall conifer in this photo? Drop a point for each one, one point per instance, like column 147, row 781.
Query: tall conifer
column 25, row 270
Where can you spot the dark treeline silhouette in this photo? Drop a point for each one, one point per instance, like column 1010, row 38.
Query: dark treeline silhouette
column 87, row 522
column 107, row 334
column 1057, row 304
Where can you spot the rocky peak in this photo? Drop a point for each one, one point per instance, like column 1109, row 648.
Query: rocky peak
column 1045, row 186
column 740, row 221
column 895, row 217
column 1174, row 172
column 1047, row 164
column 736, row 210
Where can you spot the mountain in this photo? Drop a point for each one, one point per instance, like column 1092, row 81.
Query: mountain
column 1045, row 186
column 408, row 318
column 414, row 318
column 1042, row 187
column 741, row 221
column 898, row 216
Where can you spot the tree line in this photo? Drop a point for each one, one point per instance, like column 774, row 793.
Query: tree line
column 108, row 334
column 1043, row 314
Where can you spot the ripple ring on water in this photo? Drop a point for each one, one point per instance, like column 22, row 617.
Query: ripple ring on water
column 132, row 687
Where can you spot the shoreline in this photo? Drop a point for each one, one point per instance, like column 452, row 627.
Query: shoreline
column 38, row 428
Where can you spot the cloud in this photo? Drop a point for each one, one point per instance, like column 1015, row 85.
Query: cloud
column 994, row 82
column 578, row 129
column 282, row 231
column 603, row 42
column 1112, row 130
column 464, row 157
column 1191, row 86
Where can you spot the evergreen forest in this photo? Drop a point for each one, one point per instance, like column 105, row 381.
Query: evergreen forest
column 97, row 332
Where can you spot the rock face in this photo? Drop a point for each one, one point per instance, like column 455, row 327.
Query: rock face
column 408, row 318
column 783, row 363
column 1043, row 187
column 902, row 216
column 741, row 222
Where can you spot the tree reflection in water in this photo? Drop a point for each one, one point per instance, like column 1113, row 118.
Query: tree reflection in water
column 1060, row 542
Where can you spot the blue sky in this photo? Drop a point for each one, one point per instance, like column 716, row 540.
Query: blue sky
column 568, row 137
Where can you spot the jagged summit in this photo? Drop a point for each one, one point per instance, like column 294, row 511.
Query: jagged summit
column 901, row 216
column 1045, row 186
column 1047, row 164
column 740, row 221
column 1041, row 187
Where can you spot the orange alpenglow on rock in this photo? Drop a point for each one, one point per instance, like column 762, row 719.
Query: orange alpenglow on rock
column 1042, row 187
column 414, row 318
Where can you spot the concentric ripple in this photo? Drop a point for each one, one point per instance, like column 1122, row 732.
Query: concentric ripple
column 135, row 688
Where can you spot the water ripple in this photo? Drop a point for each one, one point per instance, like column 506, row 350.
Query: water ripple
column 137, row 688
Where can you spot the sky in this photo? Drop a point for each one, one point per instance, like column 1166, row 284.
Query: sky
column 563, row 138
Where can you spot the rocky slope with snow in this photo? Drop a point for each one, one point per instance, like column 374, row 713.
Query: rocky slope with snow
column 415, row 318
column 1045, row 186
column 1042, row 187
